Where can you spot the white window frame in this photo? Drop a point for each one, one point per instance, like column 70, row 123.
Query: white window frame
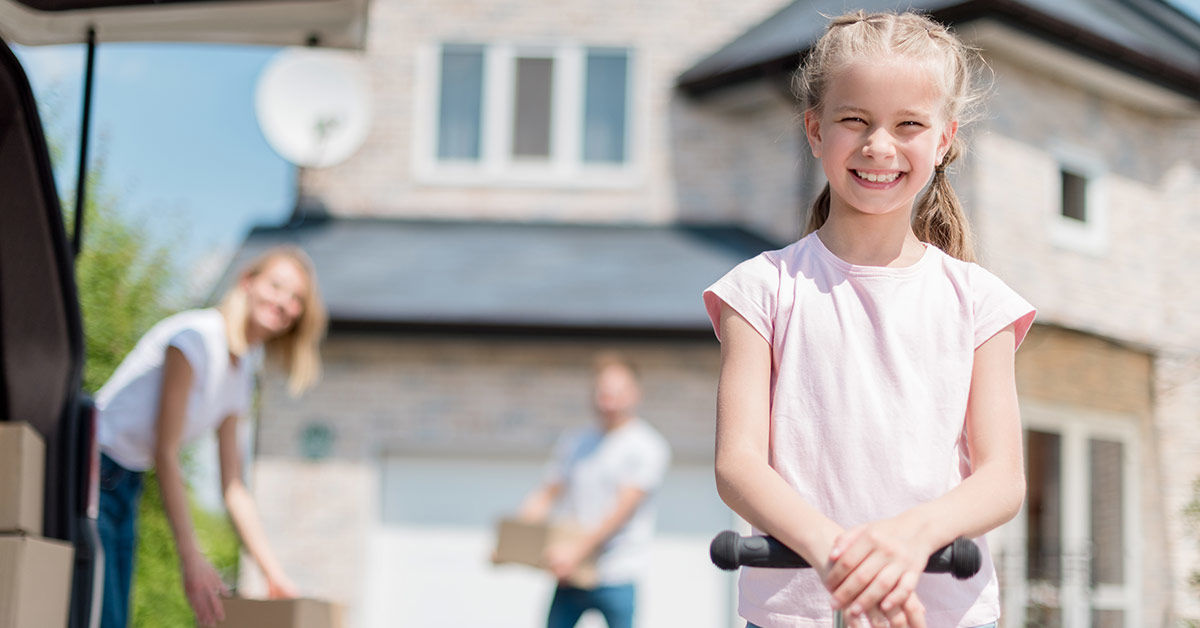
column 1075, row 426
column 496, row 166
column 1089, row 236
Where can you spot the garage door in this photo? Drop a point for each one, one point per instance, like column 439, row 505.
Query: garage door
column 428, row 554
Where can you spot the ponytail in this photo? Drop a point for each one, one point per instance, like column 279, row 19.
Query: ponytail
column 940, row 219
column 819, row 212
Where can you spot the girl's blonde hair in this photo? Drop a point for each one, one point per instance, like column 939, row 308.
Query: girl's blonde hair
column 297, row 350
column 939, row 218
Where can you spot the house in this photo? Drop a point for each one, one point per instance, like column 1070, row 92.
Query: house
column 544, row 181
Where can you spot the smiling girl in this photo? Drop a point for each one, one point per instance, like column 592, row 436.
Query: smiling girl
column 191, row 374
column 867, row 409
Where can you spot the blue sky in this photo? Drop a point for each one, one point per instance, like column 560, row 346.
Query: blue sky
column 175, row 125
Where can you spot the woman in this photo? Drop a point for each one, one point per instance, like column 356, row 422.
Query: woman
column 190, row 374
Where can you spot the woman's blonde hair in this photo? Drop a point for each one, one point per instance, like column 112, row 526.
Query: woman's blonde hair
column 297, row 350
column 939, row 218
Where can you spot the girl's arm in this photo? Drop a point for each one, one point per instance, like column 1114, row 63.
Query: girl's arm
column 241, row 509
column 745, row 481
column 201, row 582
column 885, row 558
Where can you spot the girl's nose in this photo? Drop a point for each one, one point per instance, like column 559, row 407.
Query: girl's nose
column 879, row 145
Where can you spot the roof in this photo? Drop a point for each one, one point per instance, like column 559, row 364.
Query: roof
column 1147, row 38
column 531, row 276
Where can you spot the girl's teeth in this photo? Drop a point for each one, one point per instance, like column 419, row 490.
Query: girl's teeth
column 878, row 178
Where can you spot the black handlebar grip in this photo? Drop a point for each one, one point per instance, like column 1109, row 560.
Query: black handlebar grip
column 729, row 550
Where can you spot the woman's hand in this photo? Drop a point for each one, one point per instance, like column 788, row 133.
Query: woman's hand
column 204, row 589
column 873, row 572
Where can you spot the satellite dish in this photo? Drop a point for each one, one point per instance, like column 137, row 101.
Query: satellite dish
column 314, row 105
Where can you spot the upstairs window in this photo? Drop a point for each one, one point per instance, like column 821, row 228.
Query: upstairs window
column 1074, row 196
column 1080, row 219
column 550, row 114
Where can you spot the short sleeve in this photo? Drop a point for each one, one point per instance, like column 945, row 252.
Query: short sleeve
column 646, row 469
column 561, row 457
column 997, row 306
column 751, row 289
column 190, row 342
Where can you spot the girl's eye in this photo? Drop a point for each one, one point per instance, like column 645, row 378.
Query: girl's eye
column 853, row 119
column 911, row 123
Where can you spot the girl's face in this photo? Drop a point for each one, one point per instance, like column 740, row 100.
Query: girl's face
column 274, row 299
column 879, row 135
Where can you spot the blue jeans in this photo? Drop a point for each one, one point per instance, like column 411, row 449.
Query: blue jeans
column 614, row 602
column 120, row 491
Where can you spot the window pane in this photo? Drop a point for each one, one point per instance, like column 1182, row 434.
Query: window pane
column 1107, row 525
column 1074, row 196
column 460, row 108
column 604, row 116
column 531, row 115
column 1043, row 503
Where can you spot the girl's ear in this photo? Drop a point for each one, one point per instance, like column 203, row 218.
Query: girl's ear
column 948, row 133
column 812, row 128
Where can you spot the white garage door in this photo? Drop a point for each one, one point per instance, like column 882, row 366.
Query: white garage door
column 428, row 556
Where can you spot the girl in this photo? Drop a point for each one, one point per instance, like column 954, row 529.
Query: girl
column 191, row 373
column 867, row 411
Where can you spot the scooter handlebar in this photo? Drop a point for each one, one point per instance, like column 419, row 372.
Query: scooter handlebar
column 729, row 550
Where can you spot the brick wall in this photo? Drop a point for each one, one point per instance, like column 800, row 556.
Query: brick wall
column 673, row 142
column 496, row 396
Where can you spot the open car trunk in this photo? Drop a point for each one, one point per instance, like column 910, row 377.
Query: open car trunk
column 41, row 331
column 328, row 23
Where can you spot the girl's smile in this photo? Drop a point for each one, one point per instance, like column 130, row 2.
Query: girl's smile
column 877, row 179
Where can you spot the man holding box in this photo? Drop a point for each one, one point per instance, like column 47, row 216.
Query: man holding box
column 603, row 478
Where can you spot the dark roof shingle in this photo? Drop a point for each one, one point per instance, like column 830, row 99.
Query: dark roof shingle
column 569, row 276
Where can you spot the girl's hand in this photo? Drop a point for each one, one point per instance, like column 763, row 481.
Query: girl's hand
column 204, row 589
column 874, row 572
column 279, row 586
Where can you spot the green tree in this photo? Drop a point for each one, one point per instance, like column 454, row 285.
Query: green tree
column 126, row 283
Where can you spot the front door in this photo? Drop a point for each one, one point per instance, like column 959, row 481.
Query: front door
column 1071, row 561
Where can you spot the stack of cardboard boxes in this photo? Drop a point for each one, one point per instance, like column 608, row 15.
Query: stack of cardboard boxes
column 35, row 573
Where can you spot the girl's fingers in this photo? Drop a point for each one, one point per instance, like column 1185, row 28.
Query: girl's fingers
column 843, row 541
column 848, row 593
column 885, row 581
column 904, row 588
column 914, row 612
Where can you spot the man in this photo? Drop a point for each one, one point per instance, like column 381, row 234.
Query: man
column 604, row 478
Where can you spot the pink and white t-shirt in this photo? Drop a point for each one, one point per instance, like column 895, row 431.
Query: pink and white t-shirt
column 871, row 367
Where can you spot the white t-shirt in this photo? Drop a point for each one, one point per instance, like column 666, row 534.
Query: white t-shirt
column 871, row 368
column 593, row 467
column 128, row 402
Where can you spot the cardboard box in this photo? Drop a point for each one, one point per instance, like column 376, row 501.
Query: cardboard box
column 525, row 543
column 22, row 472
column 297, row 613
column 35, row 581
